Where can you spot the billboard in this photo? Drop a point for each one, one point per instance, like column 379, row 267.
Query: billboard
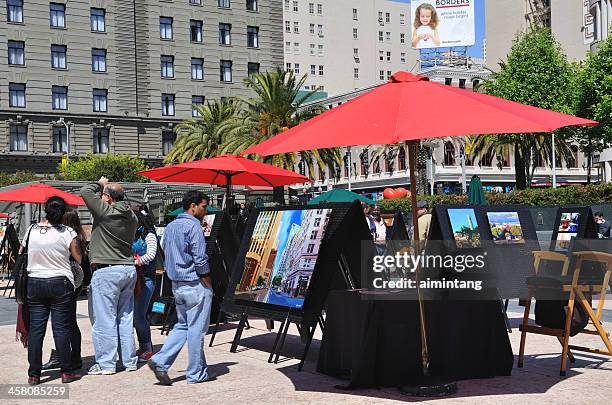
column 442, row 23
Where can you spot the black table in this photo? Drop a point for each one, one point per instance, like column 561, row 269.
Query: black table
column 377, row 342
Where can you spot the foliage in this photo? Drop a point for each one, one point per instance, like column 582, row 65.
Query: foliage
column 200, row 137
column 594, row 100
column 276, row 281
column 536, row 73
column 91, row 167
column 7, row 179
column 588, row 195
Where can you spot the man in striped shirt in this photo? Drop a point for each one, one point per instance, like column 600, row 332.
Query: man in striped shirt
column 187, row 266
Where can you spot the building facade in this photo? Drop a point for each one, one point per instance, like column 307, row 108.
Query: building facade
column 116, row 76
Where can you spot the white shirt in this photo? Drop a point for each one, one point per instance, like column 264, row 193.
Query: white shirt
column 381, row 230
column 425, row 43
column 49, row 251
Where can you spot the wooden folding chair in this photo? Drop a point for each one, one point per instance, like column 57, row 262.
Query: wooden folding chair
column 576, row 290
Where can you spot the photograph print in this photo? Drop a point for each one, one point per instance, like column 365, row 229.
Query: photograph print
column 505, row 228
column 568, row 228
column 281, row 258
column 464, row 227
column 207, row 224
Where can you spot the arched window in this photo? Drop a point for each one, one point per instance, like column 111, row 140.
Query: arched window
column 572, row 161
column 388, row 164
column 364, row 162
column 401, row 159
column 376, row 165
column 449, row 154
column 486, row 159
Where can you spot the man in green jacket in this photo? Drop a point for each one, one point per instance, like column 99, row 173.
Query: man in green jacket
column 111, row 292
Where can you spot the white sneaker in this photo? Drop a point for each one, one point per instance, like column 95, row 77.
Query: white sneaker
column 97, row 370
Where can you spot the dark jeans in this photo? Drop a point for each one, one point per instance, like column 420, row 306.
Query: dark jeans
column 53, row 296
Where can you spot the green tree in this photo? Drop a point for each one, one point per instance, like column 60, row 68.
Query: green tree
column 275, row 108
column 276, row 281
column 92, row 167
column 594, row 101
column 7, row 179
column 200, row 137
column 536, row 73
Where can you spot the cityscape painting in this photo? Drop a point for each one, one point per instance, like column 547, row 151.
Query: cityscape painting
column 282, row 254
column 464, row 227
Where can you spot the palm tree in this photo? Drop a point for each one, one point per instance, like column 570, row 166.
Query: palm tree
column 200, row 137
column 276, row 108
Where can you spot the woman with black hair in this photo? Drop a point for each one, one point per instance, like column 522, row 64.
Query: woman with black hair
column 51, row 289
column 145, row 254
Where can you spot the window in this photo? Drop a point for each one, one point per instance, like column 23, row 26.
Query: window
column 226, row 70
column 402, row 19
column 388, row 56
column 355, row 52
column 167, row 66
column 225, row 34
column 97, row 19
column 296, row 27
column 354, row 14
column 449, row 154
column 59, row 97
column 310, row 8
column 572, row 161
column 313, row 70
column 310, row 248
column 168, row 138
column 165, row 27
column 251, row 5
column 224, row 3
column 287, row 46
column 287, row 5
column 15, row 11
column 288, row 67
column 319, row 9
column 295, row 6
column 19, row 138
column 402, row 38
column 252, row 68
column 100, row 97
column 320, row 70
column 296, row 68
column 320, row 30
column 387, row 17
column 195, row 30
column 253, row 37
column 195, row 101
column 356, row 73
column 388, row 36
column 57, row 15
column 320, row 50
column 312, row 49
column 380, row 36
column 313, row 234
column 401, row 159
column 448, row 81
column 355, row 33
column 296, row 47
column 380, row 16
column 98, row 60
column 381, row 74
column 17, row 95
column 167, row 104
column 381, row 55
column 197, row 69
column 403, row 57
column 58, row 56
column 16, row 53
column 287, row 26
column 195, row 2
column 101, row 140
column 462, row 83
column 389, row 75
column 60, row 139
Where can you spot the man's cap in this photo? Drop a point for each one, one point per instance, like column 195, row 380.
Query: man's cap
column 422, row 204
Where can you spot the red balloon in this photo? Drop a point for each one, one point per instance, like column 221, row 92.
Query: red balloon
column 401, row 192
column 389, row 194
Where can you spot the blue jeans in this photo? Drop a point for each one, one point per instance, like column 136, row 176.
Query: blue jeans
column 193, row 302
column 141, row 307
column 112, row 301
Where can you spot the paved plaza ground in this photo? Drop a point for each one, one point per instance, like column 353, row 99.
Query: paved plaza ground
column 246, row 377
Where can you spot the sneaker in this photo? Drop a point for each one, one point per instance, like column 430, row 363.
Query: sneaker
column 35, row 380
column 145, row 357
column 97, row 370
column 70, row 377
column 161, row 375
column 133, row 368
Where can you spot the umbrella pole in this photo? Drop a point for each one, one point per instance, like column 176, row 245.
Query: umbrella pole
column 228, row 192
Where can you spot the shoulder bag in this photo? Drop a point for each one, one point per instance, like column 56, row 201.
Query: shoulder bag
column 20, row 272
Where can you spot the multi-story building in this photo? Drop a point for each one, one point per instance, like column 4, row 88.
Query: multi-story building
column 116, row 76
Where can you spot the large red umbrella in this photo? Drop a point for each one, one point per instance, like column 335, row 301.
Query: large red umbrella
column 410, row 108
column 226, row 170
column 4, row 216
column 39, row 194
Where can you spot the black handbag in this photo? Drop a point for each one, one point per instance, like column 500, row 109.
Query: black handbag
column 20, row 273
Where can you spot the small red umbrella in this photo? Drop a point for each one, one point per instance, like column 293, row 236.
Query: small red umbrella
column 4, row 216
column 226, row 170
column 39, row 194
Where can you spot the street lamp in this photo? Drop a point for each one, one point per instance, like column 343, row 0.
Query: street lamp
column 61, row 121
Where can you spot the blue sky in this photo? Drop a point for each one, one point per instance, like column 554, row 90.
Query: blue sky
column 503, row 218
column 289, row 217
column 458, row 218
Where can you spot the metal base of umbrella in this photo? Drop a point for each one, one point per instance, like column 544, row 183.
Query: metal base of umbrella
column 430, row 387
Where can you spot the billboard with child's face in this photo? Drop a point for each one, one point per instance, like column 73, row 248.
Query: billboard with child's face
column 442, row 23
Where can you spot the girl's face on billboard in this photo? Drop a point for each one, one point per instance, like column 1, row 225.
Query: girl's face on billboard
column 425, row 16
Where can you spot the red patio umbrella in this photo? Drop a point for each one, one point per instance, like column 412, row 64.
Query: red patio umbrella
column 39, row 194
column 4, row 216
column 226, row 170
column 410, row 108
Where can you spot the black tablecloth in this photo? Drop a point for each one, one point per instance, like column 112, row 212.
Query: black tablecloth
column 377, row 342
